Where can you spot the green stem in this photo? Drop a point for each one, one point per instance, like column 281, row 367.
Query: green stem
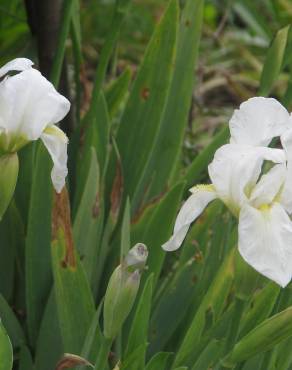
column 103, row 353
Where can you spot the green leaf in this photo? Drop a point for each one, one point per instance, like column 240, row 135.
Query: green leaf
column 282, row 355
column 11, row 324
column 49, row 337
column 117, row 91
column 97, row 137
column 93, row 338
column 87, row 226
column 274, row 61
column 125, row 232
column 106, row 52
column 262, row 338
column 61, row 45
column 167, row 150
column 159, row 229
column 169, row 305
column 158, row 361
column 24, row 181
column 25, row 359
column 37, row 250
column 9, row 232
column 76, row 26
column 142, row 116
column 213, row 301
column 134, row 359
column 78, row 57
column 139, row 327
column 209, row 356
column 73, row 296
column 262, row 306
column 6, row 354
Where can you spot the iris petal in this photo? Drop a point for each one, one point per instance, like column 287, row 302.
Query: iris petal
column 191, row 209
column 265, row 241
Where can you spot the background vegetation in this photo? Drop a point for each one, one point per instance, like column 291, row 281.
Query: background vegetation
column 152, row 85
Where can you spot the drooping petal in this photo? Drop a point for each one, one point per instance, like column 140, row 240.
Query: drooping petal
column 192, row 208
column 269, row 186
column 29, row 103
column 286, row 197
column 18, row 64
column 56, row 142
column 265, row 241
column 257, row 121
column 235, row 169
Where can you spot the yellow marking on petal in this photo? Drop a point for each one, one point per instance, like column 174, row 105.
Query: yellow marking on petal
column 264, row 207
column 202, row 187
column 55, row 131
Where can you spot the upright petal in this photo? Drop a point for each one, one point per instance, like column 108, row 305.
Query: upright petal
column 29, row 103
column 18, row 64
column 286, row 198
column 270, row 186
column 235, row 171
column 257, row 121
column 192, row 208
column 56, row 142
column 265, row 241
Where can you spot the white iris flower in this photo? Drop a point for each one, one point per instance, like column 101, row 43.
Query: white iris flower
column 262, row 202
column 29, row 108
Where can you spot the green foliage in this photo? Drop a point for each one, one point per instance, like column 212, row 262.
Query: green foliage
column 6, row 356
column 155, row 117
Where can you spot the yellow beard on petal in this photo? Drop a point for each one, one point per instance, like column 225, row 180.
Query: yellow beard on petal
column 202, row 187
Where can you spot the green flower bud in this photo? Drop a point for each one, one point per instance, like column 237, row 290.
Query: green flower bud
column 136, row 257
column 9, row 172
column 122, row 290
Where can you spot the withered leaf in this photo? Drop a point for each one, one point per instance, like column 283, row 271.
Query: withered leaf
column 69, row 360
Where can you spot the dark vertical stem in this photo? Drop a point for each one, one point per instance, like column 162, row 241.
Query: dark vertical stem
column 48, row 14
column 44, row 18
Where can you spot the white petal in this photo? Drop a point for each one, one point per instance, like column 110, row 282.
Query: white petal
column 56, row 142
column 257, row 121
column 286, row 199
column 18, row 64
column 265, row 241
column 235, row 171
column 29, row 103
column 269, row 186
column 191, row 209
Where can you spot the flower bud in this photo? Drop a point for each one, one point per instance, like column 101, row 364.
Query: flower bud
column 9, row 172
column 122, row 290
column 136, row 257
